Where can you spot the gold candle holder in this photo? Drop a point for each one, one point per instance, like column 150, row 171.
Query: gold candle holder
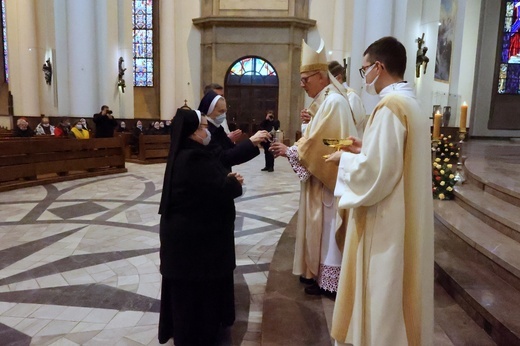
column 460, row 176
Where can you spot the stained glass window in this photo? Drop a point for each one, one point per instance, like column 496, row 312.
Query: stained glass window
column 252, row 70
column 4, row 39
column 143, row 42
column 509, row 69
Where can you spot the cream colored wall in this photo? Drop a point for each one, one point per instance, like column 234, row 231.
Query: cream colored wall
column 187, row 55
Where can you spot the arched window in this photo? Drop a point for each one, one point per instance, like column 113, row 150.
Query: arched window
column 252, row 70
column 142, row 15
column 4, row 40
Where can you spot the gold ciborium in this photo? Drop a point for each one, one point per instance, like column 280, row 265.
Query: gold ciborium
column 336, row 143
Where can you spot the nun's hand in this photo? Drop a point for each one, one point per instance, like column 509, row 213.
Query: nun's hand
column 235, row 135
column 237, row 176
column 259, row 137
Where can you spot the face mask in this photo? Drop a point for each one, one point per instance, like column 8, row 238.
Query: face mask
column 123, row 126
column 371, row 88
column 79, row 126
column 220, row 119
column 140, row 127
column 161, row 125
column 45, row 125
column 207, row 139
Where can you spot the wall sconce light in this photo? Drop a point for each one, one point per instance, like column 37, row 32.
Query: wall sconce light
column 121, row 81
column 47, row 70
column 422, row 59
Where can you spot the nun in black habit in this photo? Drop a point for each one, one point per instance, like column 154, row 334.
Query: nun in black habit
column 215, row 107
column 197, row 237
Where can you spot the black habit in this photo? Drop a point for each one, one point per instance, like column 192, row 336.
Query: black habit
column 197, row 240
column 230, row 154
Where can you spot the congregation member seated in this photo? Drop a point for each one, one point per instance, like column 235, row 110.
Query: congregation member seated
column 156, row 129
column 22, row 129
column 84, row 124
column 79, row 132
column 122, row 127
column 44, row 127
column 167, row 127
column 63, row 128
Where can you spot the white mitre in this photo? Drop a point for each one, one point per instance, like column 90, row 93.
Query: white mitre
column 313, row 60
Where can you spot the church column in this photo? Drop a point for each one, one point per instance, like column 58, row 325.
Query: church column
column 23, row 57
column 83, row 63
column 167, row 59
column 369, row 28
column 338, row 35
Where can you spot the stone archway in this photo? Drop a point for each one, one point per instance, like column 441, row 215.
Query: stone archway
column 251, row 88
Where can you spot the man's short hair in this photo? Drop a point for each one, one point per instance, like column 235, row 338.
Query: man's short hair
column 336, row 69
column 212, row 86
column 104, row 107
column 390, row 52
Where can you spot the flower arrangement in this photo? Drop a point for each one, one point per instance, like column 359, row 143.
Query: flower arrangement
column 443, row 177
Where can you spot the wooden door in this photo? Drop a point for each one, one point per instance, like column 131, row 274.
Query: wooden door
column 248, row 104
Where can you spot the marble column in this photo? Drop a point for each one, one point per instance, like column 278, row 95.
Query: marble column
column 338, row 35
column 167, row 59
column 83, row 64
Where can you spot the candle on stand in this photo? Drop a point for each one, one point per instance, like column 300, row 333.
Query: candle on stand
column 463, row 117
column 437, row 119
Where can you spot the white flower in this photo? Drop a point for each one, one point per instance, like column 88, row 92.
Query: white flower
column 442, row 183
column 437, row 160
column 441, row 196
column 446, row 160
column 449, row 188
column 451, row 176
column 449, row 166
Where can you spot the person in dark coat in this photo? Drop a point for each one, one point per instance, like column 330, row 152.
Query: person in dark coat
column 105, row 123
column 270, row 124
column 22, row 129
column 197, row 237
column 215, row 107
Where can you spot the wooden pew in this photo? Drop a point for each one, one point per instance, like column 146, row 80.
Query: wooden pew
column 36, row 161
column 152, row 149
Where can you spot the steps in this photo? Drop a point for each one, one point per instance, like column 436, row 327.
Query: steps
column 477, row 241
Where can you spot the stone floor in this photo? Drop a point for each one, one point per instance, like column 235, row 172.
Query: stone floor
column 79, row 259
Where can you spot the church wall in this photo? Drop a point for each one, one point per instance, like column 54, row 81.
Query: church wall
column 24, row 58
column 46, row 50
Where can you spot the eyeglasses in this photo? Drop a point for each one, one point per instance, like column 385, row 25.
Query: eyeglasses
column 363, row 71
column 304, row 80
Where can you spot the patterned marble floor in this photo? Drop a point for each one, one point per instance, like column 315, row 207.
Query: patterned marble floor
column 79, row 259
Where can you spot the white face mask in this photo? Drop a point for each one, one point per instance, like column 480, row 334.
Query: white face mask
column 207, row 139
column 79, row 127
column 220, row 119
column 45, row 125
column 371, row 88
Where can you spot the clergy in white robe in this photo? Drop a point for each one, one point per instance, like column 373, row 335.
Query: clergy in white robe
column 385, row 294
column 320, row 227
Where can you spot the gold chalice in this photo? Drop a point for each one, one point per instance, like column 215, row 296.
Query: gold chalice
column 336, row 143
